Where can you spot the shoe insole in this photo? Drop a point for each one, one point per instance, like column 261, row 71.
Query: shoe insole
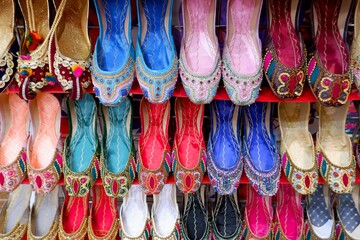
column 349, row 214
column 155, row 40
column 243, row 38
column 227, row 218
column 75, row 212
column 196, row 220
column 113, row 45
column 6, row 25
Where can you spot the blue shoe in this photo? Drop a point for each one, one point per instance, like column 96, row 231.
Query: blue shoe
column 224, row 147
column 262, row 162
column 114, row 56
column 156, row 58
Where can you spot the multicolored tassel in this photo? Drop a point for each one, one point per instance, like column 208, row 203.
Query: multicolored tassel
column 33, row 40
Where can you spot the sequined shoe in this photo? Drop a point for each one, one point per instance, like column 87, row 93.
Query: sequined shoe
column 200, row 59
column 321, row 223
column 44, row 217
column 15, row 117
column 334, row 149
column 45, row 147
column 154, row 159
column 355, row 50
column 242, row 69
column 285, row 60
column 81, row 148
column 118, row 168
column 134, row 216
column 328, row 65
column 189, row 151
column 262, row 163
column 297, row 147
column 113, row 64
column 156, row 57
column 225, row 163
column 103, row 220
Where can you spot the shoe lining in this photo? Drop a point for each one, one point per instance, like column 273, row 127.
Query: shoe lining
column 6, row 26
column 75, row 212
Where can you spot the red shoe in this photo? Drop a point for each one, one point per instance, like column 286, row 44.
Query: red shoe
column 154, row 158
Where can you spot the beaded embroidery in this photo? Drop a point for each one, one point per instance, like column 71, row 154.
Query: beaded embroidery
column 355, row 68
column 143, row 236
column 7, row 67
column 18, row 232
column 11, row 176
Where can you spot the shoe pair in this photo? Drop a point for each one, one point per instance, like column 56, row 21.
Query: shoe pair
column 201, row 66
column 236, row 142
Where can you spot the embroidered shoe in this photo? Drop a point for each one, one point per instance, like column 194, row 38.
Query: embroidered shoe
column 154, row 160
column 118, row 168
column 242, row 61
column 334, row 149
column 189, row 151
column 285, row 60
column 200, row 60
column 355, row 50
column 15, row 117
column 81, row 148
column 156, row 57
column 165, row 216
column 113, row 64
column 45, row 146
column 225, row 163
column 321, row 223
column 103, row 220
column 262, row 165
column 328, row 65
column 134, row 215
column 297, row 147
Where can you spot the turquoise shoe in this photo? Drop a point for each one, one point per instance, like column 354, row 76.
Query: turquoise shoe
column 114, row 56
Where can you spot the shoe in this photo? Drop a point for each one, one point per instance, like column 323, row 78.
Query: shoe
column 45, row 146
column 200, row 59
column 44, row 216
column 194, row 221
column 189, row 151
column 242, row 68
column 356, row 132
column 165, row 216
column 321, row 223
column 289, row 219
column 328, row 65
column 154, row 159
column 224, row 169
column 134, row 215
column 103, row 220
column 15, row 117
column 262, row 163
column 334, row 149
column 226, row 222
column 355, row 50
column 118, row 167
column 113, row 64
column 297, row 147
column 285, row 58
column 81, row 167
column 258, row 216
column 156, row 57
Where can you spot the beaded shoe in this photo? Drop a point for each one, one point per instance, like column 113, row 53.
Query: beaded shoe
column 355, row 49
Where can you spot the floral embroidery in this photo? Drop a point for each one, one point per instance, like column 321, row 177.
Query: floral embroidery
column 11, row 176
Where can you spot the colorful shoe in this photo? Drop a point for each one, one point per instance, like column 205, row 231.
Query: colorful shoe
column 103, row 220
column 14, row 115
column 165, row 216
column 189, row 151
column 113, row 63
column 200, row 59
column 225, row 163
column 134, row 216
column 45, row 147
column 156, row 57
column 328, row 65
column 81, row 150
column 44, row 217
column 297, row 147
column 262, row 163
column 289, row 219
column 334, row 149
column 321, row 223
column 226, row 222
column 242, row 68
column 118, row 168
column 258, row 216
column 355, row 50
column 154, row 160
column 285, row 60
